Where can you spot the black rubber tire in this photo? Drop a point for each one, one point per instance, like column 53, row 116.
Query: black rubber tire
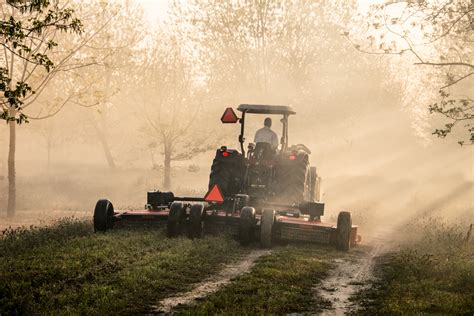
column 293, row 182
column 222, row 175
column 246, row 225
column 196, row 223
column 175, row 219
column 266, row 228
column 343, row 231
column 103, row 216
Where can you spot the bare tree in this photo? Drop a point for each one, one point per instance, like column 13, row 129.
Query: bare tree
column 114, row 49
column 172, row 104
column 250, row 50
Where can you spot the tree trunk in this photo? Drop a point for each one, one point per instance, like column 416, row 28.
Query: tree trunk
column 105, row 144
column 106, row 147
column 11, row 166
column 167, row 178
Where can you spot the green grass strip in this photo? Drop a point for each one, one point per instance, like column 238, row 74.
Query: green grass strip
column 279, row 283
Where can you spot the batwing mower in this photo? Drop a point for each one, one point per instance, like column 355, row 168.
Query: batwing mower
column 255, row 194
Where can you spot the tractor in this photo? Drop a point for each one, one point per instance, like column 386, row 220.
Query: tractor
column 255, row 194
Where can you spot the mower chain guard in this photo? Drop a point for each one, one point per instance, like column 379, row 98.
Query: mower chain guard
column 313, row 209
column 156, row 199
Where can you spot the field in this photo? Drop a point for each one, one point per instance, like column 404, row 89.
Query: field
column 67, row 268
column 64, row 267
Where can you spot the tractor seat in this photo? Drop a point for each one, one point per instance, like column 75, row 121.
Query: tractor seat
column 263, row 151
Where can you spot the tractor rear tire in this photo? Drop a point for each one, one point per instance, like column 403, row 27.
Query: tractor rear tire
column 222, row 175
column 103, row 216
column 246, row 225
column 266, row 228
column 196, row 223
column 343, row 231
column 175, row 219
column 293, row 182
column 315, row 185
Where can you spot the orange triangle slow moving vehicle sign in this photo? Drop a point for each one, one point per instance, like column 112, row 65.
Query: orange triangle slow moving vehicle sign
column 229, row 116
column 214, row 195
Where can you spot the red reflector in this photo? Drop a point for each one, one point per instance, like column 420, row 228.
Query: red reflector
column 214, row 195
column 225, row 154
column 229, row 116
column 292, row 157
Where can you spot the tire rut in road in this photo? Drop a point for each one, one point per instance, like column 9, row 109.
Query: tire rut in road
column 350, row 276
column 212, row 284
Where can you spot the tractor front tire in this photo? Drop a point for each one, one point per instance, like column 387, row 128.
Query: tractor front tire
column 103, row 216
column 343, row 231
column 246, row 225
column 175, row 219
column 196, row 223
column 266, row 228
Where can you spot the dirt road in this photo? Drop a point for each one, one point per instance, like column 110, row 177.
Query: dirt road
column 352, row 274
column 211, row 285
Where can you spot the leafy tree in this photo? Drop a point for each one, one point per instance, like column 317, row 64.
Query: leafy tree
column 436, row 34
column 28, row 33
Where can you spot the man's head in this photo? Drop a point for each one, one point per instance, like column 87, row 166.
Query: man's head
column 268, row 122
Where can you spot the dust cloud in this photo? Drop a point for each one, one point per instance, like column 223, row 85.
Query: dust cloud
column 376, row 157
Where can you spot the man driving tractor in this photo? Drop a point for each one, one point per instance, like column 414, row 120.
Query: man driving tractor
column 266, row 135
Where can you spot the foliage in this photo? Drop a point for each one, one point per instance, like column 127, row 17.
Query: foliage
column 434, row 274
column 26, row 35
column 458, row 110
column 68, row 269
column 437, row 34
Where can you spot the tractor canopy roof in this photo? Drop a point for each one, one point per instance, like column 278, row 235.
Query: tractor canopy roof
column 266, row 109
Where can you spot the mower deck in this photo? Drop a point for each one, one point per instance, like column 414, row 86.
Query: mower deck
column 286, row 228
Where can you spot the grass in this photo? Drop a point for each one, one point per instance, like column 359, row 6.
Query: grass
column 434, row 274
column 279, row 283
column 68, row 269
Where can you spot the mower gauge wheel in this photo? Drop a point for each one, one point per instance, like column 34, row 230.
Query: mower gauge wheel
column 175, row 219
column 103, row 216
column 246, row 225
column 266, row 228
column 196, row 223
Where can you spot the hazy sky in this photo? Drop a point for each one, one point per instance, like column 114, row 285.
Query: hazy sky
column 154, row 9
